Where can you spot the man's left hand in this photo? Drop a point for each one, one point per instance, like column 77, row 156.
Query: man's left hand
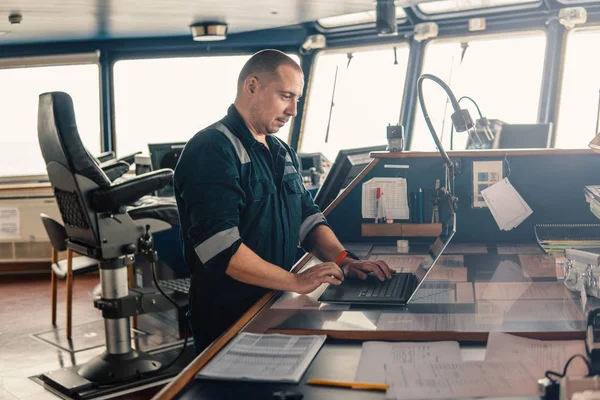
column 360, row 268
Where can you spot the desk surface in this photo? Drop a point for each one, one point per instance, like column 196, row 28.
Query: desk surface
column 508, row 288
column 514, row 289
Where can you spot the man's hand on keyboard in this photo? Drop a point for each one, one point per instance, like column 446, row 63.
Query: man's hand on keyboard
column 312, row 278
column 360, row 268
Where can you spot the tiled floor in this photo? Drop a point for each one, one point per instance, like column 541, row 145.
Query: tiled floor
column 25, row 310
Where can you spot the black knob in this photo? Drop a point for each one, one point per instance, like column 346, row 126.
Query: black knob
column 129, row 248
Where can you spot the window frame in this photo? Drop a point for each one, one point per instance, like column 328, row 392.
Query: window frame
column 55, row 60
column 478, row 36
column 476, row 12
column 174, row 55
column 568, row 34
column 343, row 50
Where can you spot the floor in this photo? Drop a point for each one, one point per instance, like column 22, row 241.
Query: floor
column 25, row 310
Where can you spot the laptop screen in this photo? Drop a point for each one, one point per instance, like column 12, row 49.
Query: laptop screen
column 434, row 252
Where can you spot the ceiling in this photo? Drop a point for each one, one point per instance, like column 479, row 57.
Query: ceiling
column 56, row 20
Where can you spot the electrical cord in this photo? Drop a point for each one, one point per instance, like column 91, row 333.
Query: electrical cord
column 170, row 299
column 549, row 374
column 452, row 125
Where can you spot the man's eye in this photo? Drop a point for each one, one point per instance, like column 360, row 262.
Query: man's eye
column 287, row 96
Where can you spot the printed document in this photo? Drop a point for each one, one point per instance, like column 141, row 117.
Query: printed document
column 269, row 357
column 548, row 354
column 506, row 205
column 375, row 355
column 10, row 223
column 460, row 380
column 393, row 196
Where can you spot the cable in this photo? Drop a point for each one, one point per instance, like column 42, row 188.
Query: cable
column 549, row 374
column 185, row 339
column 452, row 126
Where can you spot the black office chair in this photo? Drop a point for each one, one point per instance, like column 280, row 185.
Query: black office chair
column 108, row 222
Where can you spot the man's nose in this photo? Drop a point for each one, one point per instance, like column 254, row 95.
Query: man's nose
column 292, row 109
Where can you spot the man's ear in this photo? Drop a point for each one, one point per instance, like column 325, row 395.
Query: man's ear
column 251, row 84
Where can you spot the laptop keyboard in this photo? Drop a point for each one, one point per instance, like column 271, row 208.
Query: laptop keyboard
column 388, row 289
column 181, row 285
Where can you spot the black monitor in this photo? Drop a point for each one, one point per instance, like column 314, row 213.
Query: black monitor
column 523, row 136
column 318, row 161
column 348, row 164
column 165, row 155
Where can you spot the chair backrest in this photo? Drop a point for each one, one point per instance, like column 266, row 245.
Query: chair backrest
column 56, row 232
column 72, row 171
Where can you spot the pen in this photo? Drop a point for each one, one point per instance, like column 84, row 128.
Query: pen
column 350, row 385
column 420, row 205
column 377, row 196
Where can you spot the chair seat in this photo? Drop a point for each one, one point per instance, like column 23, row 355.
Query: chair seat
column 81, row 265
column 160, row 208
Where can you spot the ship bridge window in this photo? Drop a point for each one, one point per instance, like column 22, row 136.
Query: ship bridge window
column 457, row 6
column 579, row 114
column 22, row 81
column 354, row 94
column 358, row 18
column 170, row 99
column 502, row 73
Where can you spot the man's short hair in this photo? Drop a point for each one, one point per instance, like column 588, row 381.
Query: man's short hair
column 266, row 61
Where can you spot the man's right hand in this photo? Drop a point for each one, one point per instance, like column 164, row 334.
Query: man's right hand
column 307, row 281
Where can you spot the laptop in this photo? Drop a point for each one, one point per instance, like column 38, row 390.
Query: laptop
column 398, row 291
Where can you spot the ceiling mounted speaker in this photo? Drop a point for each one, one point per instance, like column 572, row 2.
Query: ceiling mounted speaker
column 209, row 31
column 385, row 22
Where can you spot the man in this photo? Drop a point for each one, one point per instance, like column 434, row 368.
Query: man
column 243, row 207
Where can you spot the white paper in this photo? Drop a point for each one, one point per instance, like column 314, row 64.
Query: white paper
column 272, row 357
column 461, row 380
column 375, row 354
column 393, row 191
column 548, row 354
column 506, row 205
column 10, row 223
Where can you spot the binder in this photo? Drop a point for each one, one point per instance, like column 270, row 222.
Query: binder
column 559, row 237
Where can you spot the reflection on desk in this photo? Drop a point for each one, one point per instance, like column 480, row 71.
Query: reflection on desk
column 514, row 292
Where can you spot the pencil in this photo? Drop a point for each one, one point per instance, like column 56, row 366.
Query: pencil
column 351, row 385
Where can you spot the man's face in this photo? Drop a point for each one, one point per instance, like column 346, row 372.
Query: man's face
column 276, row 99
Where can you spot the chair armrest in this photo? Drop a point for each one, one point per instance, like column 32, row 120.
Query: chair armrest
column 116, row 196
column 114, row 169
column 106, row 156
column 129, row 158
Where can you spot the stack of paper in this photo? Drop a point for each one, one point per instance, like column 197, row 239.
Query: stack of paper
column 279, row 358
column 506, row 205
column 375, row 357
column 393, row 202
column 592, row 196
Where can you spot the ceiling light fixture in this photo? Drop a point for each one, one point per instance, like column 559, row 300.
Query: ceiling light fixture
column 209, row 31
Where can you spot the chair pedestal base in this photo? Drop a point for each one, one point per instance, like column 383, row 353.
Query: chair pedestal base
column 111, row 368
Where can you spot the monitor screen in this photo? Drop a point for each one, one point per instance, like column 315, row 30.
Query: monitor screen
column 523, row 136
column 347, row 166
column 307, row 162
column 165, row 155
